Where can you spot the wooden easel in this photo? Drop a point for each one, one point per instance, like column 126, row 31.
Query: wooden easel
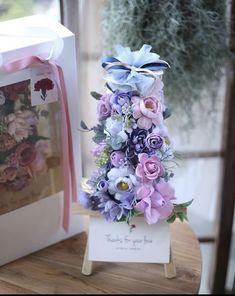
column 87, row 267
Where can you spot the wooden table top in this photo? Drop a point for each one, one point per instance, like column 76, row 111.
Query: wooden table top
column 57, row 270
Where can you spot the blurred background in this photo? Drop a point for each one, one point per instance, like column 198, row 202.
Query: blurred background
column 193, row 36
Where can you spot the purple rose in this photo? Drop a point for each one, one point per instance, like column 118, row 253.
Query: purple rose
column 155, row 201
column 149, row 167
column 120, row 101
column 104, row 107
column 154, row 141
column 118, row 158
column 102, row 185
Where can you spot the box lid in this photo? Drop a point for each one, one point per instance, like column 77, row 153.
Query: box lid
column 28, row 31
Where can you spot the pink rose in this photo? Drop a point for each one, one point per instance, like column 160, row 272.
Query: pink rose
column 21, row 124
column 26, row 153
column 147, row 111
column 104, row 107
column 155, row 201
column 149, row 167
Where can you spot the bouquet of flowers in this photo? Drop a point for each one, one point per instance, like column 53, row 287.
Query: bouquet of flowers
column 24, row 152
column 133, row 152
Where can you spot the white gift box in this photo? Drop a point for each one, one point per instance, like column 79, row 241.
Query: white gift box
column 39, row 224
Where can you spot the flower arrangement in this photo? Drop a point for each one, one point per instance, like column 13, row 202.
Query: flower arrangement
column 23, row 151
column 133, row 152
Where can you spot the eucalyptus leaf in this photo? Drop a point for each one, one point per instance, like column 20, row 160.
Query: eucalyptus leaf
column 183, row 205
column 83, row 125
column 167, row 113
column 98, row 138
column 95, row 95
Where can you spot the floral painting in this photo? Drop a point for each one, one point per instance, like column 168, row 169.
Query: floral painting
column 30, row 158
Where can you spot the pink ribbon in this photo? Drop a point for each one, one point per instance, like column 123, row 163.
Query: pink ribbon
column 66, row 135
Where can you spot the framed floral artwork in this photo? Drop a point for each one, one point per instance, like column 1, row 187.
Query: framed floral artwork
column 30, row 144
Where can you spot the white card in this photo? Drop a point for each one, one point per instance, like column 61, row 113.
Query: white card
column 119, row 242
column 43, row 86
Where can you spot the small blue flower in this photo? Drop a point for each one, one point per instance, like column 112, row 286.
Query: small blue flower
column 102, row 185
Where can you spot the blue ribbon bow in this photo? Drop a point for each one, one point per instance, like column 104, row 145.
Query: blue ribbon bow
column 133, row 71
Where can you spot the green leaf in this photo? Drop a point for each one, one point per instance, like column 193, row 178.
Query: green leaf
column 33, row 139
column 171, row 219
column 167, row 113
column 135, row 213
column 122, row 219
column 183, row 205
column 95, row 95
column 182, row 216
column 83, row 125
column 98, row 128
column 98, row 138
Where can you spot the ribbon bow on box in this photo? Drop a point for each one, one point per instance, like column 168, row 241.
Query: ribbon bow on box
column 133, row 70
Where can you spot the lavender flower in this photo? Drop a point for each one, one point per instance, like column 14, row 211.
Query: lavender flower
column 154, row 141
column 118, row 158
column 111, row 210
column 127, row 200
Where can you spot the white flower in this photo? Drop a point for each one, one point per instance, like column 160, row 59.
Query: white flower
column 121, row 180
column 115, row 173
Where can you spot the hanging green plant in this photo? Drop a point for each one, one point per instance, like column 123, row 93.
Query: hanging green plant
column 191, row 35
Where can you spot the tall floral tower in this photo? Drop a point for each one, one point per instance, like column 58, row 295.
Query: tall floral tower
column 133, row 151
